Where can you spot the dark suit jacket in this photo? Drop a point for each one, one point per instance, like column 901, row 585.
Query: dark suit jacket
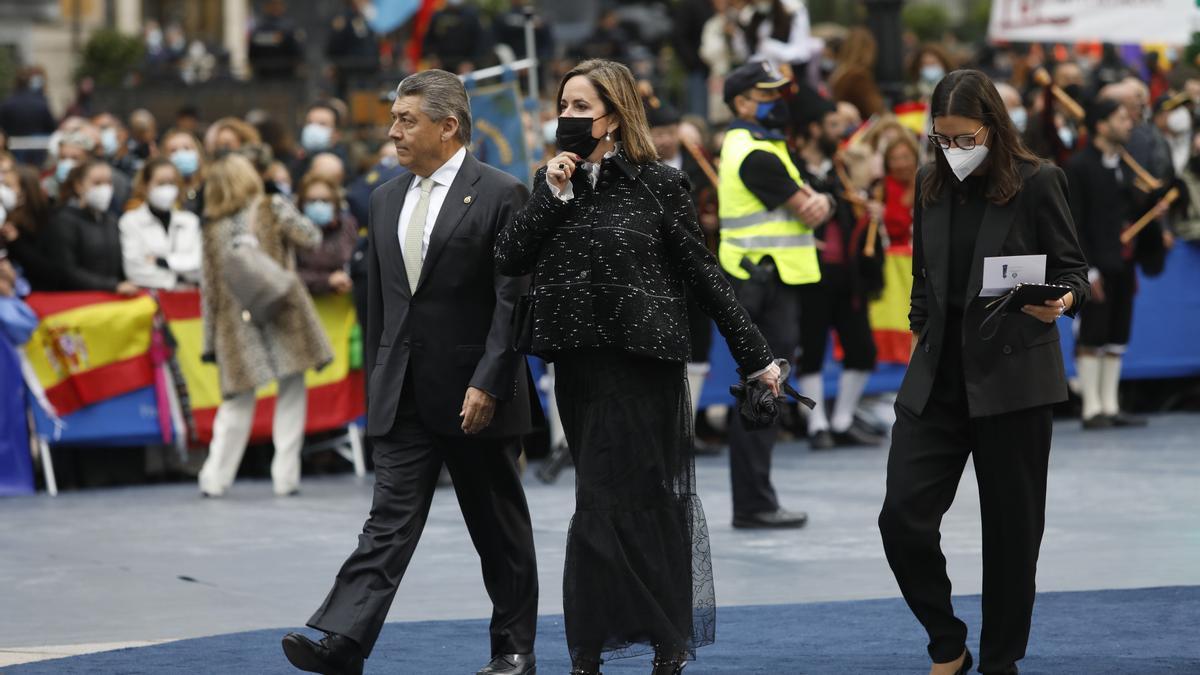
column 1022, row 366
column 455, row 331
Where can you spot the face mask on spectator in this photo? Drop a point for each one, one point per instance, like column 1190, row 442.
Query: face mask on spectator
column 1020, row 118
column 1066, row 136
column 109, row 141
column 283, row 187
column 964, row 162
column 37, row 82
column 932, row 74
column 3, row 214
column 320, row 212
column 389, row 161
column 99, row 197
column 1179, row 121
column 773, row 114
column 187, row 161
column 8, row 197
column 63, row 169
column 315, row 137
column 162, row 197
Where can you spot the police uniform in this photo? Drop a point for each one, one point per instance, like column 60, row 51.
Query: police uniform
column 770, row 254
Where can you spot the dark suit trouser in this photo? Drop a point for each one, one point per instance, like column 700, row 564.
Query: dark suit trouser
column 487, row 482
column 929, row 451
column 775, row 308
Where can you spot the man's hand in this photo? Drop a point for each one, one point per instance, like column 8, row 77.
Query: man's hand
column 127, row 289
column 812, row 207
column 340, row 282
column 1098, row 289
column 478, row 408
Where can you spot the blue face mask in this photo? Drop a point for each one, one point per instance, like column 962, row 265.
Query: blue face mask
column 316, row 137
column 773, row 114
column 187, row 161
column 63, row 169
column 932, row 74
column 320, row 212
column 109, row 141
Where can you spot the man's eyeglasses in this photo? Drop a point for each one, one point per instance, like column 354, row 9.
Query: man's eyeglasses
column 963, row 141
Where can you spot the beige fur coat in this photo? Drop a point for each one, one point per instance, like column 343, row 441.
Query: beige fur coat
column 249, row 355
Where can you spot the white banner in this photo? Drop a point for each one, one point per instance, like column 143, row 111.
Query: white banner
column 1117, row 21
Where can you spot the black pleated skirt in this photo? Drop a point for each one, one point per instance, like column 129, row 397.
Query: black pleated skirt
column 638, row 571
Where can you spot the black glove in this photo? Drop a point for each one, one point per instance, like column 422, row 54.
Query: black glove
column 758, row 405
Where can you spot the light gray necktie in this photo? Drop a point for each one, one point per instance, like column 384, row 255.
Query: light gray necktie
column 416, row 234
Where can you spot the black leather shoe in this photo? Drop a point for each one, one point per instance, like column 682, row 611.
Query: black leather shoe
column 333, row 655
column 855, row 437
column 510, row 664
column 779, row 519
column 1097, row 422
column 822, row 440
column 1123, row 420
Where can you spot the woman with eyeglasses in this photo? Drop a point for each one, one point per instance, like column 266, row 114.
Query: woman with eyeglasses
column 971, row 392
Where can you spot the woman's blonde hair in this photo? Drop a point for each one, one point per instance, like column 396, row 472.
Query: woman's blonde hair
column 247, row 134
column 232, row 184
column 617, row 89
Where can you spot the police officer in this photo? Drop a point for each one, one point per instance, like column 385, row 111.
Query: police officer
column 352, row 48
column 275, row 50
column 767, row 218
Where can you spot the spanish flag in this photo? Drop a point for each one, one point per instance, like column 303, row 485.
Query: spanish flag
column 336, row 394
column 90, row 347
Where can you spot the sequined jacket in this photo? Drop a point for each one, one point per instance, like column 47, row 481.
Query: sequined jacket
column 613, row 266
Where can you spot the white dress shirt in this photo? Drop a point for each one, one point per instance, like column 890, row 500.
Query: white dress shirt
column 442, row 178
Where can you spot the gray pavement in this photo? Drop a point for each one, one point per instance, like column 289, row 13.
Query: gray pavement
column 157, row 563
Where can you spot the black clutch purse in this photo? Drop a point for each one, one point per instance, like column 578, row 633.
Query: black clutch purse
column 758, row 406
column 522, row 324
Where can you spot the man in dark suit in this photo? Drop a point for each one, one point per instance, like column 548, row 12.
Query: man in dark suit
column 444, row 385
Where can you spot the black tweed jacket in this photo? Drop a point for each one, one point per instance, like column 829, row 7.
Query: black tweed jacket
column 613, row 266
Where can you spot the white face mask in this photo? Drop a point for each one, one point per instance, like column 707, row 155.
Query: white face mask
column 1179, row 121
column 1020, row 118
column 162, row 197
column 8, row 197
column 964, row 162
column 99, row 197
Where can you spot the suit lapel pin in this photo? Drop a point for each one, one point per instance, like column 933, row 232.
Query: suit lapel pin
column 467, row 199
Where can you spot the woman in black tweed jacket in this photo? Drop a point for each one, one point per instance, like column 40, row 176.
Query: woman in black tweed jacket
column 612, row 241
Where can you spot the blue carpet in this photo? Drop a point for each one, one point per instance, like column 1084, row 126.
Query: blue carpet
column 1138, row 632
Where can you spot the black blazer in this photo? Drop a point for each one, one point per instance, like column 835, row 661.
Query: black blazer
column 1022, row 365
column 455, row 331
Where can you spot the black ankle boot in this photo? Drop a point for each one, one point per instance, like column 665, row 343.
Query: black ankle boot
column 586, row 667
column 672, row 665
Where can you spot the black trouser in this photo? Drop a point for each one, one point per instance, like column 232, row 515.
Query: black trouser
column 487, row 482
column 775, row 308
column 832, row 303
column 1107, row 322
column 1011, row 452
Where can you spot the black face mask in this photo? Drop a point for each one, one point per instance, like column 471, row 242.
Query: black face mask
column 574, row 134
column 828, row 146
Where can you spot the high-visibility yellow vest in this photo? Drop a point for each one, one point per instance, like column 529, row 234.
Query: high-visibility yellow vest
column 749, row 229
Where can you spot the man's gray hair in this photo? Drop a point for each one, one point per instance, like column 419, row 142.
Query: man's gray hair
column 442, row 95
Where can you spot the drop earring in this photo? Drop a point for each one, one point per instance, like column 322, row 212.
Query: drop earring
column 608, row 136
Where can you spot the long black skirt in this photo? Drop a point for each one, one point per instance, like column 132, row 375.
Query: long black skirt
column 638, row 568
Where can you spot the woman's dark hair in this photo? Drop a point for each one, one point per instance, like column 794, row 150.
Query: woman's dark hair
column 34, row 210
column 970, row 94
column 69, row 187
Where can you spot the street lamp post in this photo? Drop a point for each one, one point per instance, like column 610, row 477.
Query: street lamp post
column 883, row 18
